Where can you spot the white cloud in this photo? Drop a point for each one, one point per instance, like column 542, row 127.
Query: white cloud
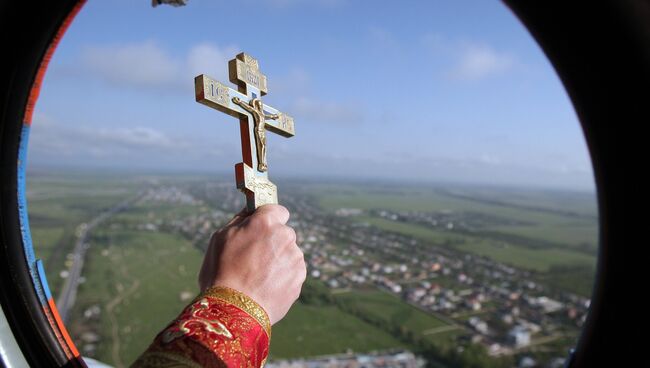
column 207, row 58
column 477, row 61
column 466, row 60
column 141, row 65
column 414, row 167
column 55, row 143
column 308, row 109
column 148, row 65
column 138, row 138
column 294, row 87
column 50, row 139
column 143, row 147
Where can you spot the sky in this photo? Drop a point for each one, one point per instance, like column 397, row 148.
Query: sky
column 432, row 91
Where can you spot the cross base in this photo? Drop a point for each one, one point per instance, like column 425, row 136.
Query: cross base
column 258, row 190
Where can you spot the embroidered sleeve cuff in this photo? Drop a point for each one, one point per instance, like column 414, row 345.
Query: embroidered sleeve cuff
column 243, row 302
column 221, row 327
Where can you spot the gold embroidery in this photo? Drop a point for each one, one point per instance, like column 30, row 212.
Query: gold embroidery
column 214, row 325
column 241, row 301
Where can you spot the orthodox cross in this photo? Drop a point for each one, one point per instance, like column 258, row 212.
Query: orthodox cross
column 255, row 118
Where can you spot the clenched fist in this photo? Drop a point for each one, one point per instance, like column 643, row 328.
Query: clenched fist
column 257, row 254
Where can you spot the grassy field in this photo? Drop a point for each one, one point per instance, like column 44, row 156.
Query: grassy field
column 345, row 325
column 533, row 259
column 428, row 234
column 574, row 237
column 160, row 211
column 136, row 278
column 318, row 330
column 388, row 307
column 544, row 200
column 572, row 234
column 569, row 230
column 57, row 205
column 127, row 269
column 47, row 238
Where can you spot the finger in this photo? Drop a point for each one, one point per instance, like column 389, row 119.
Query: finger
column 238, row 218
column 274, row 211
column 284, row 238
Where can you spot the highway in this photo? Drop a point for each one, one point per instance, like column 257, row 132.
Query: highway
column 68, row 294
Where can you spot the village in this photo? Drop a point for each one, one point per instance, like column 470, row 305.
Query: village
column 499, row 306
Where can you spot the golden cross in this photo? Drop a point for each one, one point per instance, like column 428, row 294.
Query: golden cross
column 254, row 119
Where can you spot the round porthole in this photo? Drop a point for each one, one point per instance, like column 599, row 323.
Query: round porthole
column 32, row 331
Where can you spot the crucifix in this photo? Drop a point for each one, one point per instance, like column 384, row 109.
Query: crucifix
column 255, row 118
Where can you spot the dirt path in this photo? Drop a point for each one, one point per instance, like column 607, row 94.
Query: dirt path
column 115, row 328
column 436, row 330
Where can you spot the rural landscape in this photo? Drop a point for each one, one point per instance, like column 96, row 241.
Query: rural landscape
column 401, row 274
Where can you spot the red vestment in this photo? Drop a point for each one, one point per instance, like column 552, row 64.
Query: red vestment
column 220, row 328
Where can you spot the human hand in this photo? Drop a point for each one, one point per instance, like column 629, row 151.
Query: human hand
column 257, row 255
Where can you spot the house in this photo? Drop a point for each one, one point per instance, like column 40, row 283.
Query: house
column 519, row 336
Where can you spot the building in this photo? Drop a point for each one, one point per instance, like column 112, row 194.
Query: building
column 519, row 336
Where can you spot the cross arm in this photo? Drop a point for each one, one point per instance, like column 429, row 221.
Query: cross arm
column 217, row 95
column 282, row 125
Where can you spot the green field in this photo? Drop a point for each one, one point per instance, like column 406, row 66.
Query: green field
column 573, row 238
column 533, row 259
column 389, row 308
column 359, row 321
column 129, row 269
column 544, row 200
column 137, row 279
column 573, row 234
column 140, row 214
column 318, row 330
column 57, row 205
column 561, row 228
column 427, row 234
column 47, row 238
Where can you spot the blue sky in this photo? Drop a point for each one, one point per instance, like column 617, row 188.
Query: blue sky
column 443, row 91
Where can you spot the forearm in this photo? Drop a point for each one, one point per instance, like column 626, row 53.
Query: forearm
column 220, row 328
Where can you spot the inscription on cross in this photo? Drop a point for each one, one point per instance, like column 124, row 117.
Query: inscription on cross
column 255, row 118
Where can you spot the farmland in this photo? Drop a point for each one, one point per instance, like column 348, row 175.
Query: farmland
column 391, row 266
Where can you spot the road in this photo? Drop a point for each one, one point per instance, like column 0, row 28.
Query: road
column 68, row 293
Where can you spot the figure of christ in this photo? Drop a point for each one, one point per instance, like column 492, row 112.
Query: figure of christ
column 252, row 273
column 256, row 109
